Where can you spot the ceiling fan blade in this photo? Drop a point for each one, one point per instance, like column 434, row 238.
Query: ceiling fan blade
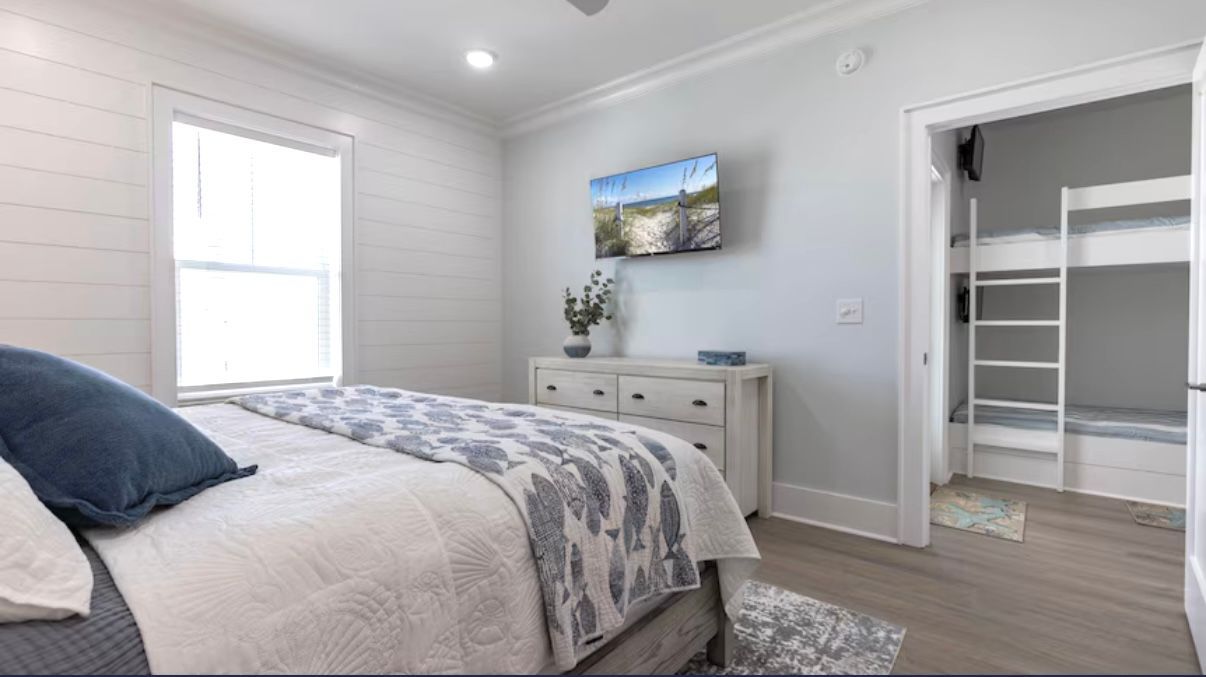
column 589, row 7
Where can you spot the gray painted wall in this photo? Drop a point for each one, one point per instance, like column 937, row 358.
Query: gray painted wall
column 1128, row 331
column 809, row 171
column 1028, row 160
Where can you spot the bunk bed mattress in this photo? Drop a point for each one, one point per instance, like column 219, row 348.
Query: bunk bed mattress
column 1000, row 236
column 1150, row 425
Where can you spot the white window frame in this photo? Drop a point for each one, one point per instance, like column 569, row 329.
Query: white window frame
column 170, row 105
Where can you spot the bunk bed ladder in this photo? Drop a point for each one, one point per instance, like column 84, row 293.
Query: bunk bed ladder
column 973, row 319
column 1060, row 388
column 1052, row 445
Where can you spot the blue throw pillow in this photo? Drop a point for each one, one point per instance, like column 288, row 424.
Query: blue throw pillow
column 95, row 450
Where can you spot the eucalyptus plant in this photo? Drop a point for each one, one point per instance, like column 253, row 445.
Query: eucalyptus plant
column 586, row 311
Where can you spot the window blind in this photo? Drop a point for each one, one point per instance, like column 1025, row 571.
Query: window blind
column 256, row 239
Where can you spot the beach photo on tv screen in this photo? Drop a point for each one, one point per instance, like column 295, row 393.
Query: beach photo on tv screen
column 669, row 208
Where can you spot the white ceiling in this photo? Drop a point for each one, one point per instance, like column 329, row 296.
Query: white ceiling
column 547, row 49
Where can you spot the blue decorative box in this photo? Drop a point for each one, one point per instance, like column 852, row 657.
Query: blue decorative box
column 722, row 358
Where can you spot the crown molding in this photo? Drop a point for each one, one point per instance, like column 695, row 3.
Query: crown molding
column 197, row 26
column 823, row 19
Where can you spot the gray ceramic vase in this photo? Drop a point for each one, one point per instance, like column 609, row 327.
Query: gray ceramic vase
column 577, row 345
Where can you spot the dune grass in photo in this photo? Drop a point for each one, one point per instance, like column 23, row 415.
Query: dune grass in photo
column 663, row 209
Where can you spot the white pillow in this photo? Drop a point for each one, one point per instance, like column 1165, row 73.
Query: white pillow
column 44, row 574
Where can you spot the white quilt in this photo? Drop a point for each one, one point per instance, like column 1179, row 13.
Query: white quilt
column 339, row 557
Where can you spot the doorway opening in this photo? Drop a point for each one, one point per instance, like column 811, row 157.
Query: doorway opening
column 928, row 297
column 1046, row 301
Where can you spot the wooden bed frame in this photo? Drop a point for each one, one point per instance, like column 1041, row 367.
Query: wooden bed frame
column 663, row 640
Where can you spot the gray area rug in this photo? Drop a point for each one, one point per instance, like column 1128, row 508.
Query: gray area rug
column 782, row 633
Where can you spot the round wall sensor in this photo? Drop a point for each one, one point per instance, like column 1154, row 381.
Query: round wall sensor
column 849, row 62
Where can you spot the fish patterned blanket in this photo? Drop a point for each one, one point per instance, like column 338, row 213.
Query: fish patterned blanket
column 606, row 524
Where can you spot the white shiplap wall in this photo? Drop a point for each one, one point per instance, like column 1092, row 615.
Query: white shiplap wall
column 74, row 204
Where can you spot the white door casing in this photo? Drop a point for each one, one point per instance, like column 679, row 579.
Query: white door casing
column 1195, row 508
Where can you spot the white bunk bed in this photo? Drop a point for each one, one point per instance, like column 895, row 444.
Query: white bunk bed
column 1131, row 457
column 1109, row 243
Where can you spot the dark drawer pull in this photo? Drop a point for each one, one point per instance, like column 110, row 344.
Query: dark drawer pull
column 701, row 446
column 700, row 403
column 638, row 396
column 599, row 392
column 550, row 387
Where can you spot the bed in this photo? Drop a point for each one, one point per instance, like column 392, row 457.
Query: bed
column 1118, row 242
column 1150, row 425
column 1133, row 226
column 105, row 643
column 341, row 557
column 1136, row 454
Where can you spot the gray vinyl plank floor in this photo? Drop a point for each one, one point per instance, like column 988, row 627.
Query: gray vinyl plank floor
column 1089, row 591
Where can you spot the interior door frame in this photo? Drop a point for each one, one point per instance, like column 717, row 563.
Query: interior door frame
column 1195, row 582
column 921, row 357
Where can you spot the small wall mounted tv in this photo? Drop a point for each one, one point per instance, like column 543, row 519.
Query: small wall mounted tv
column 971, row 154
column 665, row 209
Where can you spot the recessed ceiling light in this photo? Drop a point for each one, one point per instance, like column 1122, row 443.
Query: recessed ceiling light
column 480, row 58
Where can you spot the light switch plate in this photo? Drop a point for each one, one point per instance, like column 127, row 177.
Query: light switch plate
column 850, row 311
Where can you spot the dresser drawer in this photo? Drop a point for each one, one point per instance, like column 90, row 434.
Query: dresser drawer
column 709, row 439
column 672, row 398
column 576, row 389
column 610, row 415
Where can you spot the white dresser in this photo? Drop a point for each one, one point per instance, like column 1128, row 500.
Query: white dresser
column 724, row 411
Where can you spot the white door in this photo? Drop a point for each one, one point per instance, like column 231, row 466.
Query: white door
column 1195, row 514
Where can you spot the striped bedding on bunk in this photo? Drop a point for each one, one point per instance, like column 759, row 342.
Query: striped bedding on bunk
column 1150, row 425
column 1002, row 236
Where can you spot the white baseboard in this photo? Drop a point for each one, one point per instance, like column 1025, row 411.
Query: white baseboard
column 848, row 514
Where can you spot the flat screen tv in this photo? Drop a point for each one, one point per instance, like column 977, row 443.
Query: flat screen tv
column 971, row 154
column 664, row 209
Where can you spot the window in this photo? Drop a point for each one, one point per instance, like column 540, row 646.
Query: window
column 257, row 232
